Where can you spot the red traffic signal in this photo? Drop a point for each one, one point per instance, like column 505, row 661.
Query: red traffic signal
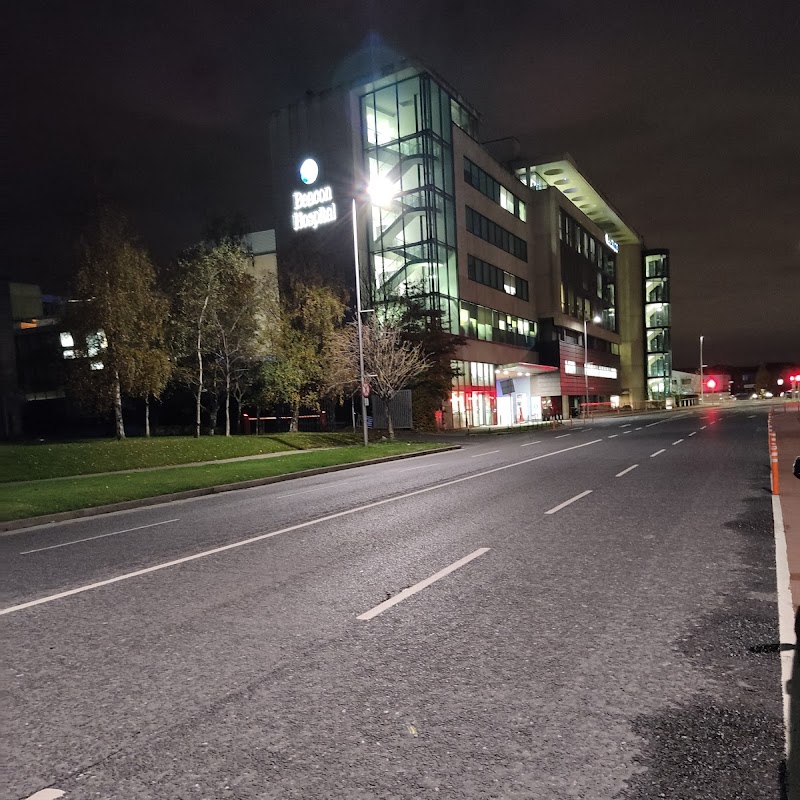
column 711, row 384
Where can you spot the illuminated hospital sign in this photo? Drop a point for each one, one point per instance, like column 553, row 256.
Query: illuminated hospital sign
column 315, row 207
column 612, row 244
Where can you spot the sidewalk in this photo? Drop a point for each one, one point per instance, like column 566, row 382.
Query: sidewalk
column 786, row 424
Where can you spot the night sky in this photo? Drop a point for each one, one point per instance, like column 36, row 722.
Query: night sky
column 685, row 114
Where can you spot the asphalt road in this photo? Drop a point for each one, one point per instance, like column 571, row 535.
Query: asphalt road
column 602, row 623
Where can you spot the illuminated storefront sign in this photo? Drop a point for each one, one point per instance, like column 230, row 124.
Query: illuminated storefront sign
column 313, row 208
column 571, row 368
column 612, row 244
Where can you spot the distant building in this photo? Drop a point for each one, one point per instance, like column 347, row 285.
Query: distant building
column 557, row 295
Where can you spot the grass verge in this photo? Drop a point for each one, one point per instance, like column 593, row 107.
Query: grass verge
column 32, row 500
column 28, row 462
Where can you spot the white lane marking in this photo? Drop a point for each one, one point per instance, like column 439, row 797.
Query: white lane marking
column 561, row 436
column 713, row 423
column 703, row 427
column 657, row 453
column 788, row 640
column 46, row 794
column 692, row 433
column 660, row 422
column 101, row 536
column 418, row 587
column 677, row 442
column 487, row 453
column 262, row 536
column 626, row 471
column 613, row 436
column 568, row 502
column 528, row 444
column 419, row 466
column 751, row 416
column 638, row 429
column 624, row 432
column 626, row 425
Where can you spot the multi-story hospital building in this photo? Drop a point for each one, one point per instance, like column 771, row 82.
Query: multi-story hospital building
column 554, row 291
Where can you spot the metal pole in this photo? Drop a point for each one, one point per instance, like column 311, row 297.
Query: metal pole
column 360, row 334
column 701, row 370
column 585, row 365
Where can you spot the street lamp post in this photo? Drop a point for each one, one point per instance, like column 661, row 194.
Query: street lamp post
column 360, row 332
column 701, row 370
column 595, row 319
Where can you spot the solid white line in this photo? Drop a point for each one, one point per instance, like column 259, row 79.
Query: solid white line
column 487, row 453
column 657, row 453
column 692, row 433
column 92, row 538
column 626, row 471
column 418, row 587
column 561, row 436
column 788, row 640
column 46, row 794
column 528, row 444
column 613, row 436
column 677, row 442
column 568, row 502
column 299, row 526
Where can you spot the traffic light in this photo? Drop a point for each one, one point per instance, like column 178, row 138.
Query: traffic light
column 711, row 384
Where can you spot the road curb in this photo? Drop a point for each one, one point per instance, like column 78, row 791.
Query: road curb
column 15, row 525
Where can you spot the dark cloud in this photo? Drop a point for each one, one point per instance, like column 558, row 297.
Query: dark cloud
column 685, row 114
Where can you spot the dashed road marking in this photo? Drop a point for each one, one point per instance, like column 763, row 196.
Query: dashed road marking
column 626, row 471
column 613, row 436
column 487, row 453
column 563, row 435
column 657, row 453
column 46, row 794
column 692, row 433
column 528, row 444
column 568, row 502
column 677, row 442
column 418, row 587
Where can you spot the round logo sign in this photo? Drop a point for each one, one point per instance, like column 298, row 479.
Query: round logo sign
column 309, row 171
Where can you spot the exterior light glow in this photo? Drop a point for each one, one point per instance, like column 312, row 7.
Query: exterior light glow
column 309, row 170
column 612, row 244
column 381, row 190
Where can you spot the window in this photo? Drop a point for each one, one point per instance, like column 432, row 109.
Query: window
column 493, row 189
column 490, row 325
column 495, row 234
column 489, row 275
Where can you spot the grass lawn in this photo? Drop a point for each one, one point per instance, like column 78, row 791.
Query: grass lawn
column 33, row 499
column 27, row 462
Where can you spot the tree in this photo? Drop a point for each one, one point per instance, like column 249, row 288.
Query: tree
column 391, row 361
column 215, row 320
column 298, row 336
column 118, row 323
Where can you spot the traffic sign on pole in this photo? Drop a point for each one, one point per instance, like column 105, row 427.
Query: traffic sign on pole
column 365, row 389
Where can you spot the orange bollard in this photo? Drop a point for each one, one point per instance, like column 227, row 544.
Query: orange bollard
column 773, row 458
